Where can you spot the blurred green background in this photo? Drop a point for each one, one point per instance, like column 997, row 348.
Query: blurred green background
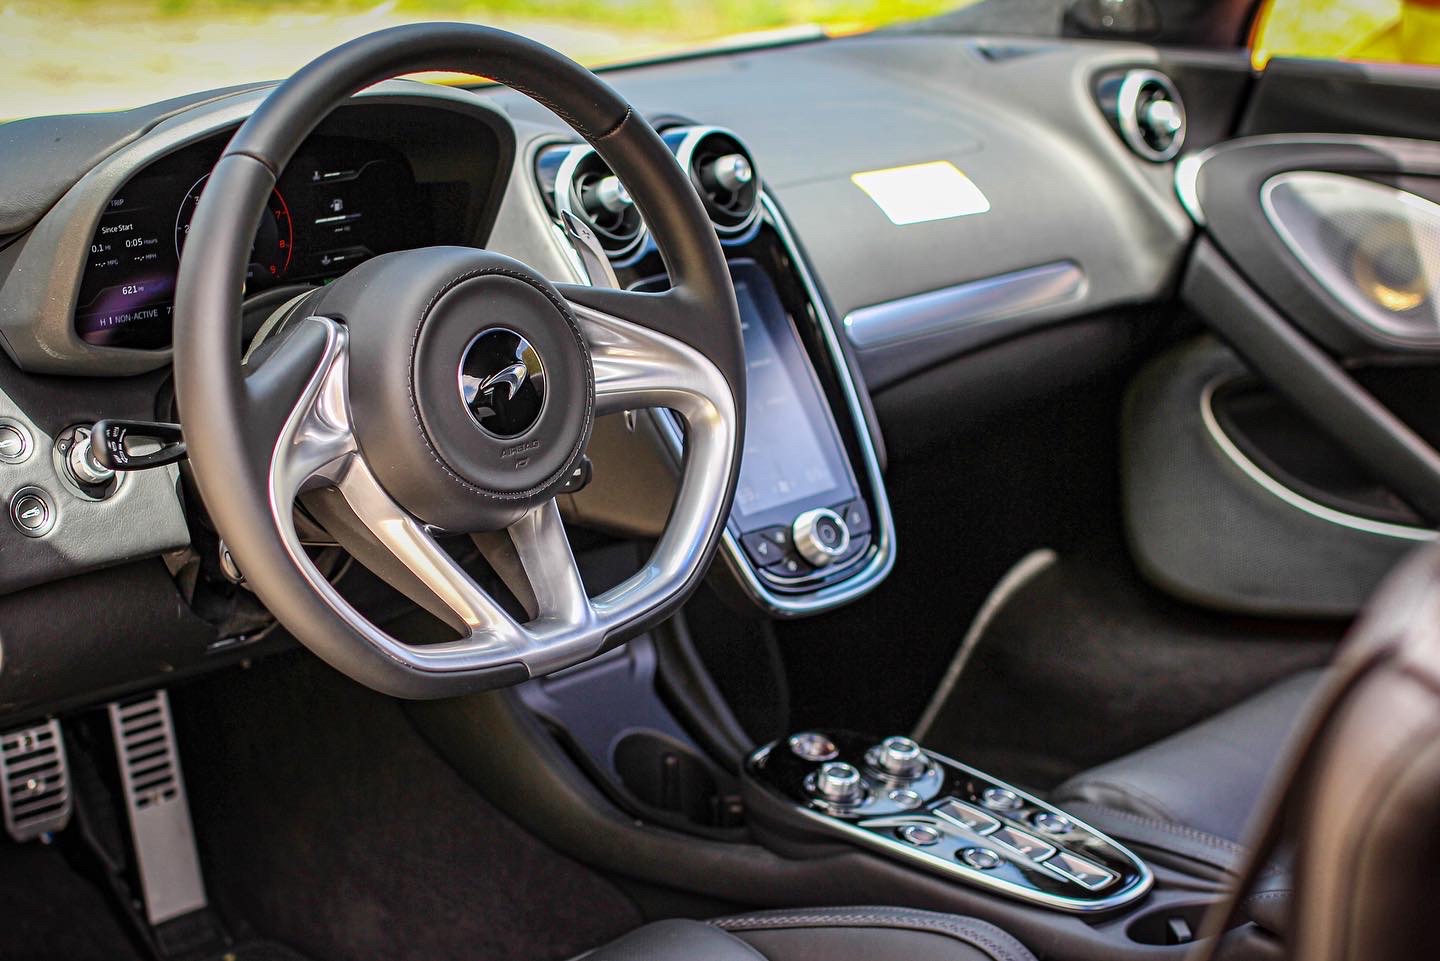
column 59, row 56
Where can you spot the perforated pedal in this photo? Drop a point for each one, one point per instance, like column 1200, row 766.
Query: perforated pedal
column 34, row 781
column 159, row 811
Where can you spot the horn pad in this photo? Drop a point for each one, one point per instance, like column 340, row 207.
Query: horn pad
column 471, row 386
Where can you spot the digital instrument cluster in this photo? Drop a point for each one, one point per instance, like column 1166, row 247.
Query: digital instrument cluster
column 340, row 201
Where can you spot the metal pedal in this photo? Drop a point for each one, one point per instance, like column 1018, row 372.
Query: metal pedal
column 34, row 781
column 159, row 811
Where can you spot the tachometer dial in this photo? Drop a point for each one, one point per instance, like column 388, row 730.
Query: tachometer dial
column 274, row 242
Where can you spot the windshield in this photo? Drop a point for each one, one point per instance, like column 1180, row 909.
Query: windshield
column 66, row 56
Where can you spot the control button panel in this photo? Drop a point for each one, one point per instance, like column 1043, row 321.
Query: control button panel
column 950, row 819
column 819, row 546
column 32, row 511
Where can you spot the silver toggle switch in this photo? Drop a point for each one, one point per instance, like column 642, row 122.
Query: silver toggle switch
column 839, row 782
column 899, row 757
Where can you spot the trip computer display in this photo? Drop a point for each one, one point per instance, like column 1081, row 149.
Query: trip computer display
column 340, row 201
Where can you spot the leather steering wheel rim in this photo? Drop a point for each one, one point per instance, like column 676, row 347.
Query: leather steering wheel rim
column 245, row 431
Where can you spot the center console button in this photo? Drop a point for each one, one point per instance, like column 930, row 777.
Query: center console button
column 982, row 859
column 1052, row 823
column 820, row 536
column 920, row 835
column 1001, row 799
column 1026, row 844
column 1085, row 873
column 966, row 816
column 813, row 747
column 839, row 782
column 899, row 757
column 905, row 800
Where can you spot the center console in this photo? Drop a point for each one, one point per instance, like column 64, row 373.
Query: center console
column 937, row 814
column 810, row 528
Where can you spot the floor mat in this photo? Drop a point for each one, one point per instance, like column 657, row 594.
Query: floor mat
column 50, row 913
column 326, row 822
column 1083, row 662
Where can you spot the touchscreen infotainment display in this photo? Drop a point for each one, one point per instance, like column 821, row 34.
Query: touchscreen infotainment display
column 792, row 459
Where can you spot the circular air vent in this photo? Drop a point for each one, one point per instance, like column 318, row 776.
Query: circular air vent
column 585, row 187
column 1151, row 115
column 724, row 174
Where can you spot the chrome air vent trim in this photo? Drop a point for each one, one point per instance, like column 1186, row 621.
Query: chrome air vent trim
column 585, row 188
column 732, row 202
column 1151, row 115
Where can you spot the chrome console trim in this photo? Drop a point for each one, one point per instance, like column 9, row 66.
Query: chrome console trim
column 973, row 302
column 882, row 560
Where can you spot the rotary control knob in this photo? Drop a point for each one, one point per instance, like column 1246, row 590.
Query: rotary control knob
column 820, row 535
column 899, row 757
column 839, row 782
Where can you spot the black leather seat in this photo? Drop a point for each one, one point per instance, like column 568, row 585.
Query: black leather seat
column 1355, row 796
column 1201, row 784
column 818, row 934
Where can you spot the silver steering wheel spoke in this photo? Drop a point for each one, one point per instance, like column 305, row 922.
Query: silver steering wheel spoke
column 635, row 368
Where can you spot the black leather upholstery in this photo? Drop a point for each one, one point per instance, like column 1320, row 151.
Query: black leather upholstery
column 1205, row 779
column 818, row 934
column 1355, row 797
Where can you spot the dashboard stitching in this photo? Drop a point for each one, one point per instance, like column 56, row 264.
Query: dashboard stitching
column 589, row 384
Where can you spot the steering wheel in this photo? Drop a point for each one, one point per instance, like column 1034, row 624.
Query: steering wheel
column 453, row 390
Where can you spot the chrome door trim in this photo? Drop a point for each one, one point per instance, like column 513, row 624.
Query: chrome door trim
column 1294, row 498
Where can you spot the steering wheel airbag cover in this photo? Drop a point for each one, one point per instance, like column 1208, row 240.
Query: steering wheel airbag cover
column 411, row 316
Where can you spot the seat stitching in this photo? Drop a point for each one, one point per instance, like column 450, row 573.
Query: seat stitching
column 1160, row 807
column 1204, row 837
column 975, row 932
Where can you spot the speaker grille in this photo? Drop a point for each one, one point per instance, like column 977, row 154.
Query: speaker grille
column 1372, row 246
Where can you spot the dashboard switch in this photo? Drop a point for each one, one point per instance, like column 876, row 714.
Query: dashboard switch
column 767, row 547
column 857, row 517
column 31, row 512
column 14, row 443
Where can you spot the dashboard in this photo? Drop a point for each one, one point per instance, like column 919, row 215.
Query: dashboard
column 341, row 201
column 95, row 213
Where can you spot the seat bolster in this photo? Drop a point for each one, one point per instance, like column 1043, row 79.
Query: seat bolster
column 866, row 933
column 1207, row 777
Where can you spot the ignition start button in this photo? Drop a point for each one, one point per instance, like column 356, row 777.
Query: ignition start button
column 32, row 512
